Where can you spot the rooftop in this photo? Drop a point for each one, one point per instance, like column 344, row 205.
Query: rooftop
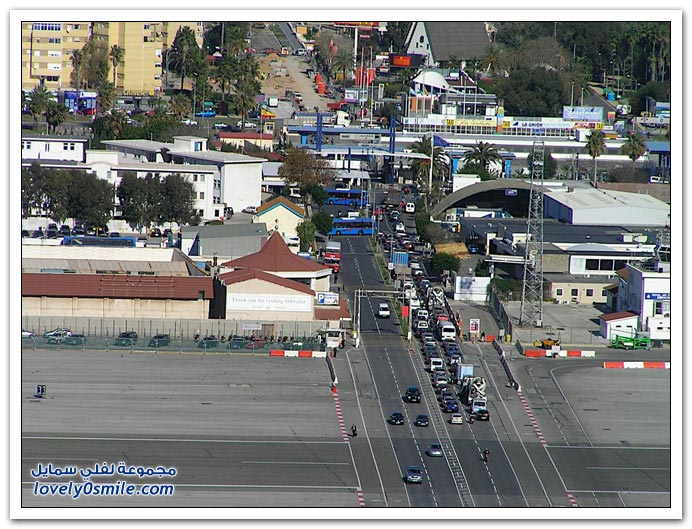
column 247, row 274
column 280, row 201
column 618, row 316
column 247, row 229
column 590, row 198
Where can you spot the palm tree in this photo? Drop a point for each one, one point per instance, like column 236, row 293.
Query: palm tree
column 244, row 98
column 117, row 54
column 421, row 166
column 483, row 154
column 343, row 61
column 491, row 61
column 105, row 100
column 56, row 114
column 77, row 60
column 595, row 146
column 634, row 148
column 180, row 106
column 40, row 97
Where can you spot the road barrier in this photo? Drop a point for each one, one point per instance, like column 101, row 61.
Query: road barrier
column 636, row 365
column 298, row 354
column 542, row 353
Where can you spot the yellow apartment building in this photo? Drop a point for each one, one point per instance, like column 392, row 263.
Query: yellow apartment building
column 47, row 49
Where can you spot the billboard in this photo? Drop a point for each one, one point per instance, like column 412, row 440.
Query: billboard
column 267, row 303
column 592, row 114
column 411, row 60
column 361, row 25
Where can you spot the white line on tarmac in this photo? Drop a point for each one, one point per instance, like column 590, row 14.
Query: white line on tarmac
column 292, row 463
column 625, row 468
column 614, row 447
column 173, row 440
column 623, row 491
column 202, row 485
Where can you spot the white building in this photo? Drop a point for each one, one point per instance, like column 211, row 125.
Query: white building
column 598, row 207
column 53, row 148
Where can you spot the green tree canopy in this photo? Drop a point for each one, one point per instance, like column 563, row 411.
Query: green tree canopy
column 634, row 148
column 306, row 231
column 595, row 146
column 444, row 261
column 322, row 221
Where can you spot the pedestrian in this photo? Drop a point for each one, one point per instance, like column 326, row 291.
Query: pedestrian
column 334, row 352
column 354, row 430
column 483, row 336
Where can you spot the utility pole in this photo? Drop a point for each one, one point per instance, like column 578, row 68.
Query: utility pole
column 532, row 293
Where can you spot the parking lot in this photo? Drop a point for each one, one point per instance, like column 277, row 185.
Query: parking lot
column 249, row 430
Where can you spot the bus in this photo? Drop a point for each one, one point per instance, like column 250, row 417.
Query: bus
column 359, row 226
column 347, row 197
column 80, row 240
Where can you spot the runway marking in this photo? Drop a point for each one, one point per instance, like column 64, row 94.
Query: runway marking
column 622, row 491
column 571, row 498
column 211, row 485
column 627, row 468
column 172, row 440
column 292, row 463
column 613, row 447
column 361, row 498
column 344, row 435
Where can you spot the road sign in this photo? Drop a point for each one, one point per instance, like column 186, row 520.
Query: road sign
column 327, row 298
column 474, row 325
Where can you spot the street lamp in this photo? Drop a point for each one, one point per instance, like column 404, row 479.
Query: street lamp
column 430, row 171
column 571, row 99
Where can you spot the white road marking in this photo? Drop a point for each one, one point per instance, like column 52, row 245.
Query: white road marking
column 173, row 440
column 292, row 463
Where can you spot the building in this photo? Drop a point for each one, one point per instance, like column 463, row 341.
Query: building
column 441, row 42
column 102, row 282
column 618, row 324
column 227, row 241
column 568, row 288
column 259, row 140
column 282, row 216
column 275, row 257
column 599, row 207
column 49, row 148
column 47, row 52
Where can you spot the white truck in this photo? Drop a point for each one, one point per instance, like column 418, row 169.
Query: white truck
column 471, row 388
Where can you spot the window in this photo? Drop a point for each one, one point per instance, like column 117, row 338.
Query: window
column 575, row 292
column 200, row 295
column 46, row 147
column 68, row 146
column 589, row 292
column 201, row 213
column 45, row 26
column 661, row 307
column 26, row 145
column 558, row 292
column 216, row 212
column 201, row 195
column 201, row 178
column 603, row 292
column 55, row 40
column 194, row 177
column 592, row 264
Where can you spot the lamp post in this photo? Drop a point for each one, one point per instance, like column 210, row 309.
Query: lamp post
column 430, row 171
column 571, row 99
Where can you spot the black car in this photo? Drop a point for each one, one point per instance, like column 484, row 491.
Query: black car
column 52, row 233
column 483, row 415
column 209, row 341
column 160, row 340
column 127, row 338
column 412, row 394
column 396, row 418
column 25, row 233
column 422, row 420
column 78, row 231
column 65, row 231
column 155, row 232
column 37, row 234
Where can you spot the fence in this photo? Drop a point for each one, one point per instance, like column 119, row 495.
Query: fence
column 179, row 329
column 499, row 312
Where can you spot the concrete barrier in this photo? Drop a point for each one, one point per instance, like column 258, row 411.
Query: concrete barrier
column 305, row 354
column 298, row 354
column 636, row 365
column 291, row 354
column 276, row 352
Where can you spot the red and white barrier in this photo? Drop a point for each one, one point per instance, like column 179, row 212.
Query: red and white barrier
column 541, row 353
column 298, row 354
column 636, row 365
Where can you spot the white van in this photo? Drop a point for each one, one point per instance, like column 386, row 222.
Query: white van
column 410, row 207
column 436, row 363
column 447, row 331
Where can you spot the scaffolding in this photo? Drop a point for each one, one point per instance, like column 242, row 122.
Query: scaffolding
column 532, row 291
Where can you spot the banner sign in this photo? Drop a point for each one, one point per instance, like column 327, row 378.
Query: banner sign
column 269, row 303
column 594, row 114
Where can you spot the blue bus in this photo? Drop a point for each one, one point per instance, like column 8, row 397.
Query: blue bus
column 81, row 240
column 347, row 197
column 354, row 226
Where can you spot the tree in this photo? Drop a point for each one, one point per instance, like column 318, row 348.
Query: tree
column 300, row 168
column 116, row 55
column 56, row 115
column 323, row 222
column 77, row 60
column 318, row 193
column 185, row 53
column 105, row 99
column 177, row 202
column 549, row 165
column 421, row 166
column 533, row 92
column 180, row 106
column 244, row 98
column 40, row 97
column 132, row 195
column 595, row 146
column 483, row 154
column 634, row 148
column 90, row 199
column 445, row 261
column 343, row 61
column 306, row 231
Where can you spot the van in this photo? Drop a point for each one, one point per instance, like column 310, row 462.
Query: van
column 436, row 363
column 447, row 331
column 478, row 404
column 410, row 207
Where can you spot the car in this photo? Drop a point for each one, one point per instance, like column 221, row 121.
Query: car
column 252, row 210
column 412, row 394
column 220, row 126
column 297, row 96
column 60, row 331
column 208, row 342
column 188, row 121
column 25, row 234
column 28, row 334
column 155, row 232
column 160, row 340
column 126, row 338
column 483, row 415
column 37, row 234
column 456, row 418
column 450, row 406
column 51, row 233
column 78, row 231
column 246, row 124
column 65, row 230
column 414, row 474
column 422, row 420
column 75, row 339
column 383, row 310
column 59, row 337
column 396, row 418
column 53, row 226
column 445, row 394
column 114, row 234
column 435, row 450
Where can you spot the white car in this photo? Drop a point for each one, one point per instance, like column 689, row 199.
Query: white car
column 252, row 210
column 247, row 125
column 57, row 332
column 383, row 310
column 28, row 334
column 457, row 418
column 188, row 121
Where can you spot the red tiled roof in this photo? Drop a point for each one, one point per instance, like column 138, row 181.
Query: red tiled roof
column 246, row 274
column 618, row 316
column 624, row 273
column 333, row 313
column 116, row 286
column 275, row 256
column 281, row 200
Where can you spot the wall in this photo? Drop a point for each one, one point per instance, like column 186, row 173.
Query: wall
column 113, row 308
column 625, row 327
column 241, row 185
column 659, row 191
column 598, row 295
column 280, row 219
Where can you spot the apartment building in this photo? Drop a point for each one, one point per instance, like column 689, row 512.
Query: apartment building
column 47, row 49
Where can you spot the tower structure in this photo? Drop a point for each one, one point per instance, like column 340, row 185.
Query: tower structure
column 532, row 291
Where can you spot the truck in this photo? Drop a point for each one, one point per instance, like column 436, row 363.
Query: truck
column 462, row 371
column 630, row 342
column 273, row 101
column 471, row 388
column 332, row 256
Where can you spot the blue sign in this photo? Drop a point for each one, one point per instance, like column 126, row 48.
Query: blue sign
column 510, row 192
column 663, row 296
column 327, row 298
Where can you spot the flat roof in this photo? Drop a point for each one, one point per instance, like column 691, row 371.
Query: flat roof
column 590, row 198
column 249, row 229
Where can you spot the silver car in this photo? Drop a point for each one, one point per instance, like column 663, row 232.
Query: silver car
column 435, row 450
